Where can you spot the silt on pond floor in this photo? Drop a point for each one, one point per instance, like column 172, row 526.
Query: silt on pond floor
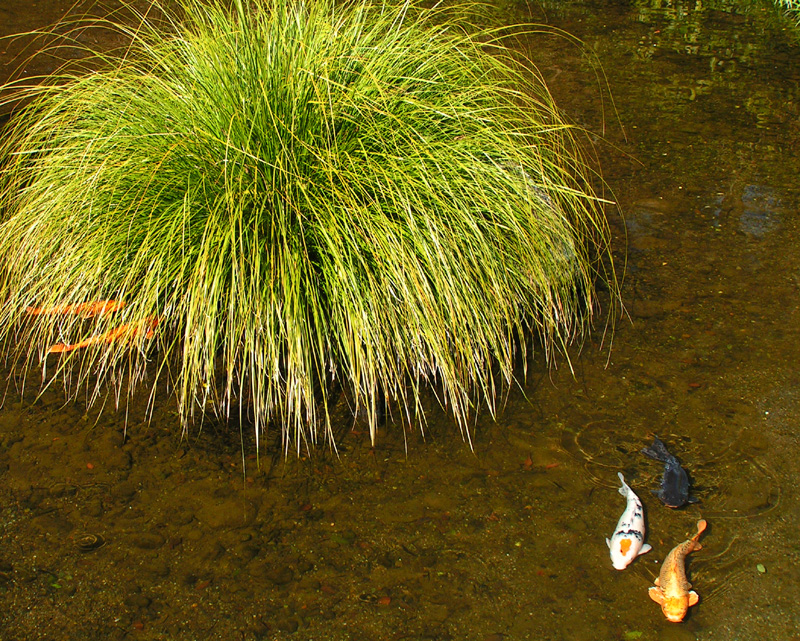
column 158, row 537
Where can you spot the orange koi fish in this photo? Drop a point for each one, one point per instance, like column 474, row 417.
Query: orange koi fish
column 126, row 332
column 672, row 590
column 93, row 308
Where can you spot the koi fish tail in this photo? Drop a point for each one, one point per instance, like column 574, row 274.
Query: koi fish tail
column 624, row 489
column 701, row 527
column 658, row 451
column 694, row 543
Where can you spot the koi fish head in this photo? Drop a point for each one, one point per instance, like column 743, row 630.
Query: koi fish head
column 675, row 608
column 623, row 552
column 675, row 605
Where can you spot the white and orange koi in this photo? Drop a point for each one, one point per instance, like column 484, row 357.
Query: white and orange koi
column 628, row 540
column 672, row 590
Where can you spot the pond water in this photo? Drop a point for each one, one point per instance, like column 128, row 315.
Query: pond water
column 116, row 527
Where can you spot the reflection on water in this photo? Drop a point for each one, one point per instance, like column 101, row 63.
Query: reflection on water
column 424, row 539
column 760, row 210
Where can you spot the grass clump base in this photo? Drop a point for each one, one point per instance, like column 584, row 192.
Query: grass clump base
column 259, row 201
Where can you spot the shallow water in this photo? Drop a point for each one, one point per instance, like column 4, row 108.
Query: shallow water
column 424, row 538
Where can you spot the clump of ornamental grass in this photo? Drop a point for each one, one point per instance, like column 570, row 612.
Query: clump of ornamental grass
column 263, row 201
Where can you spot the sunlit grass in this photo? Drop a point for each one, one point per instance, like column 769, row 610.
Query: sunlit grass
column 792, row 7
column 286, row 196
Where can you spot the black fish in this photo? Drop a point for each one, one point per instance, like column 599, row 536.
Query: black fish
column 674, row 490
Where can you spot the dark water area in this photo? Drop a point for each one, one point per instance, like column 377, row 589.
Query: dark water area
column 116, row 527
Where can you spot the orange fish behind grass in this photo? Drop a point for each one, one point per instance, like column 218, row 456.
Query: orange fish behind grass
column 93, row 308
column 126, row 332
column 672, row 589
